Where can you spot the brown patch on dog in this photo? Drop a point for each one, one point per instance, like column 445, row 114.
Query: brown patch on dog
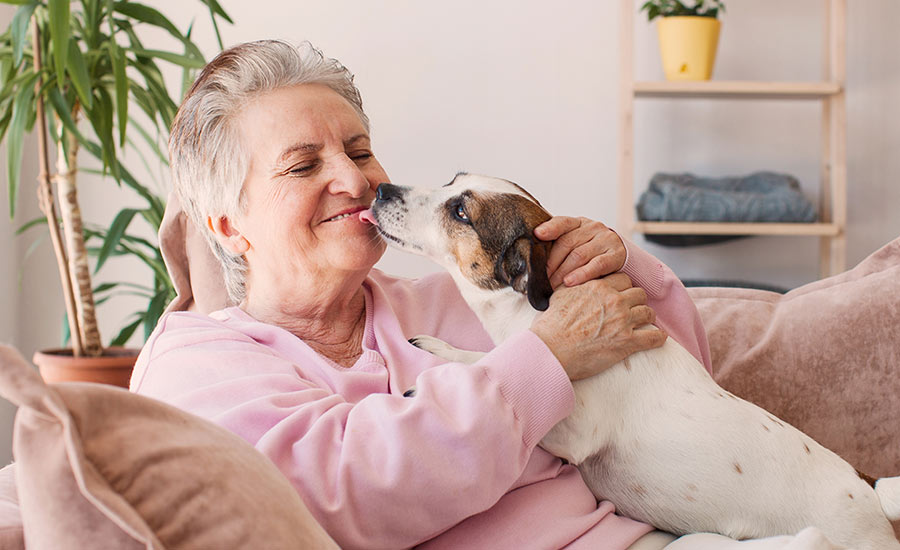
column 639, row 490
column 737, row 468
column 692, row 487
column 766, row 428
column 850, row 495
column 805, row 446
column 495, row 246
column 868, row 479
column 690, row 498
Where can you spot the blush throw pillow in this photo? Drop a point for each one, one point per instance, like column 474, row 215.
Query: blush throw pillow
column 824, row 357
column 98, row 467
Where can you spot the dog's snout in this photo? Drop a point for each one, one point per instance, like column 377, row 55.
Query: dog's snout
column 388, row 191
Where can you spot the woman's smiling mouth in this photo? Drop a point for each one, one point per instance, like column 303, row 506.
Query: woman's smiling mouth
column 353, row 212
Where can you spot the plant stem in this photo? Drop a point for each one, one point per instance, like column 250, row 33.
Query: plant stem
column 73, row 227
column 45, row 200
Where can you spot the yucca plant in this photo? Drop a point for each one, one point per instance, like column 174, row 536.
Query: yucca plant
column 83, row 62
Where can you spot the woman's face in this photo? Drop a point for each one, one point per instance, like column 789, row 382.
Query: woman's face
column 311, row 171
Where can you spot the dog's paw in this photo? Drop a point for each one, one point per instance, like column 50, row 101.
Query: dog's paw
column 444, row 350
column 432, row 345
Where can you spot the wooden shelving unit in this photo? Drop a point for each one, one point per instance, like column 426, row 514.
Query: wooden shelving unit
column 831, row 227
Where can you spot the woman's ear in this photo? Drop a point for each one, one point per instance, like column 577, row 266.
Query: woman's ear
column 228, row 236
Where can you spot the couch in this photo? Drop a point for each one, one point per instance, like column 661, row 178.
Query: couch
column 98, row 467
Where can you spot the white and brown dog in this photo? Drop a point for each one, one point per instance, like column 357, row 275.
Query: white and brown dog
column 656, row 436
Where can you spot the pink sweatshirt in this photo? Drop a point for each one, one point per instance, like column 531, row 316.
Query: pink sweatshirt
column 454, row 467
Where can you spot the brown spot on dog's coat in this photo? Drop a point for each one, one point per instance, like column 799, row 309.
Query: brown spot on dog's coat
column 775, row 420
column 639, row 490
column 737, row 468
column 766, row 428
column 868, row 479
column 805, row 446
column 850, row 495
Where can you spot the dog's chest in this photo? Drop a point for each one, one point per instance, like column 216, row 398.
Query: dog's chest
column 650, row 388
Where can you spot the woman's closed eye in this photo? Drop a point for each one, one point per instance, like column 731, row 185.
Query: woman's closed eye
column 360, row 156
column 303, row 169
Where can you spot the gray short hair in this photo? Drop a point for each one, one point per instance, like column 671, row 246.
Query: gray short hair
column 206, row 156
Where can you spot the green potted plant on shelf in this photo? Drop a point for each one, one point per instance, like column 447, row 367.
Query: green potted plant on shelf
column 76, row 70
column 688, row 36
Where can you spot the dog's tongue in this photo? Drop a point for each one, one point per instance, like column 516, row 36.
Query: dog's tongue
column 368, row 216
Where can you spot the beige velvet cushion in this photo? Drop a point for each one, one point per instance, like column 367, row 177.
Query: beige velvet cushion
column 824, row 357
column 98, row 467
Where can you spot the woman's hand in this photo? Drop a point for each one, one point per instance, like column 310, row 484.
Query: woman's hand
column 591, row 327
column 583, row 250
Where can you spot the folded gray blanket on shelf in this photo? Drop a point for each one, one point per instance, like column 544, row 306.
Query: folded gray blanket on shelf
column 757, row 197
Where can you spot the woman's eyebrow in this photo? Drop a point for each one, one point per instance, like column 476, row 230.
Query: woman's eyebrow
column 299, row 148
column 350, row 142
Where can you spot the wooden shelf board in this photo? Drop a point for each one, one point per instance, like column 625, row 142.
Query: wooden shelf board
column 730, row 89
column 716, row 228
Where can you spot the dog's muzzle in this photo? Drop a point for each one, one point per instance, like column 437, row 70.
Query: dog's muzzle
column 388, row 192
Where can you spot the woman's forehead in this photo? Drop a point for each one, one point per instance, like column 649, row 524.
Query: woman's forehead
column 300, row 119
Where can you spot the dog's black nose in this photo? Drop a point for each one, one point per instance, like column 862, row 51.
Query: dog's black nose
column 388, row 191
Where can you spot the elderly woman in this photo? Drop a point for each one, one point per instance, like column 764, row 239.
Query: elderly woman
column 271, row 156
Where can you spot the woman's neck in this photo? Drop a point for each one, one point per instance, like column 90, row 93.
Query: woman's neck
column 333, row 326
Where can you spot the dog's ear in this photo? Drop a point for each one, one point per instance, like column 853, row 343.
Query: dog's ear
column 523, row 266
column 538, row 286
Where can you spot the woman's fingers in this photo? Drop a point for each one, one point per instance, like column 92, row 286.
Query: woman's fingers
column 583, row 249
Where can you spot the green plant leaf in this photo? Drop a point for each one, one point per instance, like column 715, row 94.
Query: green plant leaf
column 151, row 16
column 101, row 118
column 217, row 9
column 153, row 143
column 117, row 56
column 171, row 57
column 214, row 10
column 15, row 2
column 116, row 230
column 62, row 109
column 26, row 226
column 5, row 120
column 59, row 35
column 78, row 71
column 24, row 102
column 154, row 311
column 19, row 30
column 122, row 338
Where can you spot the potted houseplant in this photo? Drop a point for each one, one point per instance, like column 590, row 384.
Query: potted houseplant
column 688, row 36
column 78, row 71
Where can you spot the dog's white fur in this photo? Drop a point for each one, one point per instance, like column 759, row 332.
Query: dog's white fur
column 655, row 434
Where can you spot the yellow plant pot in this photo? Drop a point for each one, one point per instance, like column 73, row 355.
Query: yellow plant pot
column 688, row 45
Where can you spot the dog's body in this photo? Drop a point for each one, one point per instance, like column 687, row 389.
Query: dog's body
column 654, row 434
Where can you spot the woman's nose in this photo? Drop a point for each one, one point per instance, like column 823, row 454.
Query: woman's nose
column 351, row 180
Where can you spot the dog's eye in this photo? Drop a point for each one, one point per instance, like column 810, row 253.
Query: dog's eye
column 460, row 213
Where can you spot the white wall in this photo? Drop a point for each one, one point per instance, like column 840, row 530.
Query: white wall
column 527, row 90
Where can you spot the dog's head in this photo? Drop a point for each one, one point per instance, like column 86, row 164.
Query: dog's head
column 481, row 226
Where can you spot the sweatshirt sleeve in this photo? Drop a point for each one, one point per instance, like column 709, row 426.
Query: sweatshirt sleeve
column 675, row 311
column 385, row 471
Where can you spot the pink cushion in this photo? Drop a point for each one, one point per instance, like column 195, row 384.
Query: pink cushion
column 11, row 529
column 824, row 357
column 98, row 467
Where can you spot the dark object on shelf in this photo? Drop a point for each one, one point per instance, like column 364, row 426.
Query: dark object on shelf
column 757, row 197
column 733, row 284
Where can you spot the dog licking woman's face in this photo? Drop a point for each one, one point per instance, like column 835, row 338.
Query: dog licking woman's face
column 477, row 226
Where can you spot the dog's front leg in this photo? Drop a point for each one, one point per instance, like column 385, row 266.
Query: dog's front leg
column 444, row 351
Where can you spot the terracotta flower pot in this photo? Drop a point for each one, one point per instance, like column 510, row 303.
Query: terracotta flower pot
column 113, row 367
